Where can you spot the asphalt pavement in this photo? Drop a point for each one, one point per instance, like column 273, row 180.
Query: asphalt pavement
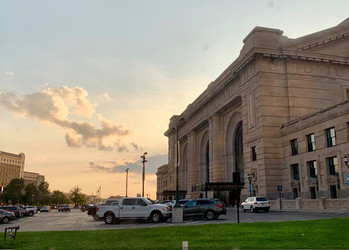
column 77, row 220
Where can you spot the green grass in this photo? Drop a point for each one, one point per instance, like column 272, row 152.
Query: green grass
column 316, row 234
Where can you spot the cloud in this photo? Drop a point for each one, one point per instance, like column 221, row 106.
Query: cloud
column 151, row 166
column 9, row 73
column 55, row 105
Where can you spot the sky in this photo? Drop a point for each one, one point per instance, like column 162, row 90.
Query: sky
column 86, row 87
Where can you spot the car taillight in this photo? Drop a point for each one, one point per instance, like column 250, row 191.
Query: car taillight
column 97, row 208
column 255, row 203
column 219, row 205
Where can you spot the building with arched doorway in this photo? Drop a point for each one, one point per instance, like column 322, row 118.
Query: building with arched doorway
column 261, row 115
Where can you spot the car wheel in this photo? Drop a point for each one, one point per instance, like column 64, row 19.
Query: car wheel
column 243, row 209
column 109, row 218
column 95, row 217
column 267, row 210
column 5, row 220
column 31, row 213
column 156, row 217
column 209, row 215
column 252, row 209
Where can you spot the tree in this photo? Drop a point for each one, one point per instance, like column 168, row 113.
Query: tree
column 30, row 195
column 58, row 197
column 14, row 192
column 77, row 197
column 43, row 193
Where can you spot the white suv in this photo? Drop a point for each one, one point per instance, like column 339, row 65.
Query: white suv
column 256, row 203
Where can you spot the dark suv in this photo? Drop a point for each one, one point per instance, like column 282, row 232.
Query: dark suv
column 209, row 208
column 63, row 208
column 16, row 210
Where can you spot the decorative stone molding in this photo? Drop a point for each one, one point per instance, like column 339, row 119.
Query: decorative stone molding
column 312, row 182
column 332, row 180
column 294, row 183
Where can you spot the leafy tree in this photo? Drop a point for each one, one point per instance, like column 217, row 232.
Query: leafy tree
column 43, row 193
column 58, row 197
column 77, row 197
column 14, row 192
column 30, row 196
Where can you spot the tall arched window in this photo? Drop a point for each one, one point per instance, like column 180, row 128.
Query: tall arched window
column 238, row 150
column 207, row 162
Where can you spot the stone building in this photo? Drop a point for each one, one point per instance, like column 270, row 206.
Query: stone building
column 34, row 178
column 11, row 166
column 261, row 116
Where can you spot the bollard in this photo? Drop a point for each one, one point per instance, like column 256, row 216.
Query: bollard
column 185, row 245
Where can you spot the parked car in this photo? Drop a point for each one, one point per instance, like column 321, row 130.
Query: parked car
column 255, row 203
column 32, row 210
column 14, row 209
column 24, row 211
column 63, row 208
column 209, row 208
column 44, row 209
column 6, row 216
column 133, row 208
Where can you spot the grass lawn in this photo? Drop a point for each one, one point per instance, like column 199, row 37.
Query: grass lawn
column 315, row 234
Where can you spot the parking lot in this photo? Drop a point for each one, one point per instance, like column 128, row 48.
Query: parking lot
column 77, row 220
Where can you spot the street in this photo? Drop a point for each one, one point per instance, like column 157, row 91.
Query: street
column 77, row 220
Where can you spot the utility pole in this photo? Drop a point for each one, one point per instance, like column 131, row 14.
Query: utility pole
column 126, row 179
column 143, row 176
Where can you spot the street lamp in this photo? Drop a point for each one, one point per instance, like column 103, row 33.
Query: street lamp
column 177, row 161
column 126, row 179
column 249, row 177
column 143, row 176
column 346, row 160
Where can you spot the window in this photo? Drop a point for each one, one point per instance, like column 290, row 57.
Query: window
column 253, row 154
column 332, row 164
column 294, row 147
column 311, row 142
column 295, row 171
column 295, row 193
column 331, row 137
column 312, row 193
column 312, row 169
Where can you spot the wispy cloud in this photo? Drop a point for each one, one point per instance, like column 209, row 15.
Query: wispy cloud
column 9, row 73
column 55, row 105
column 153, row 162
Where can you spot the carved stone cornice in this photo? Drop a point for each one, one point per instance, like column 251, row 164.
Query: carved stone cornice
column 332, row 179
column 312, row 182
column 294, row 183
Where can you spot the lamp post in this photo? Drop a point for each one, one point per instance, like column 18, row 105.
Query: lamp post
column 143, row 175
column 249, row 177
column 346, row 160
column 177, row 162
column 126, row 179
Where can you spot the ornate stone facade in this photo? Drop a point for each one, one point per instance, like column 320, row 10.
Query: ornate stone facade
column 235, row 125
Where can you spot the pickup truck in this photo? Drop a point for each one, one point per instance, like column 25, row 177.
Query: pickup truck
column 133, row 208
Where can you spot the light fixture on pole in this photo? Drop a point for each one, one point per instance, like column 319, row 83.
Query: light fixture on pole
column 177, row 161
column 143, row 175
column 126, row 179
column 249, row 177
column 346, row 160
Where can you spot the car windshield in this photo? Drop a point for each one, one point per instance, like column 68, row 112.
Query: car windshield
column 148, row 201
column 262, row 199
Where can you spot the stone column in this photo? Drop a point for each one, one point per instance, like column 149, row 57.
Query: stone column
column 193, row 170
column 211, row 147
column 217, row 149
